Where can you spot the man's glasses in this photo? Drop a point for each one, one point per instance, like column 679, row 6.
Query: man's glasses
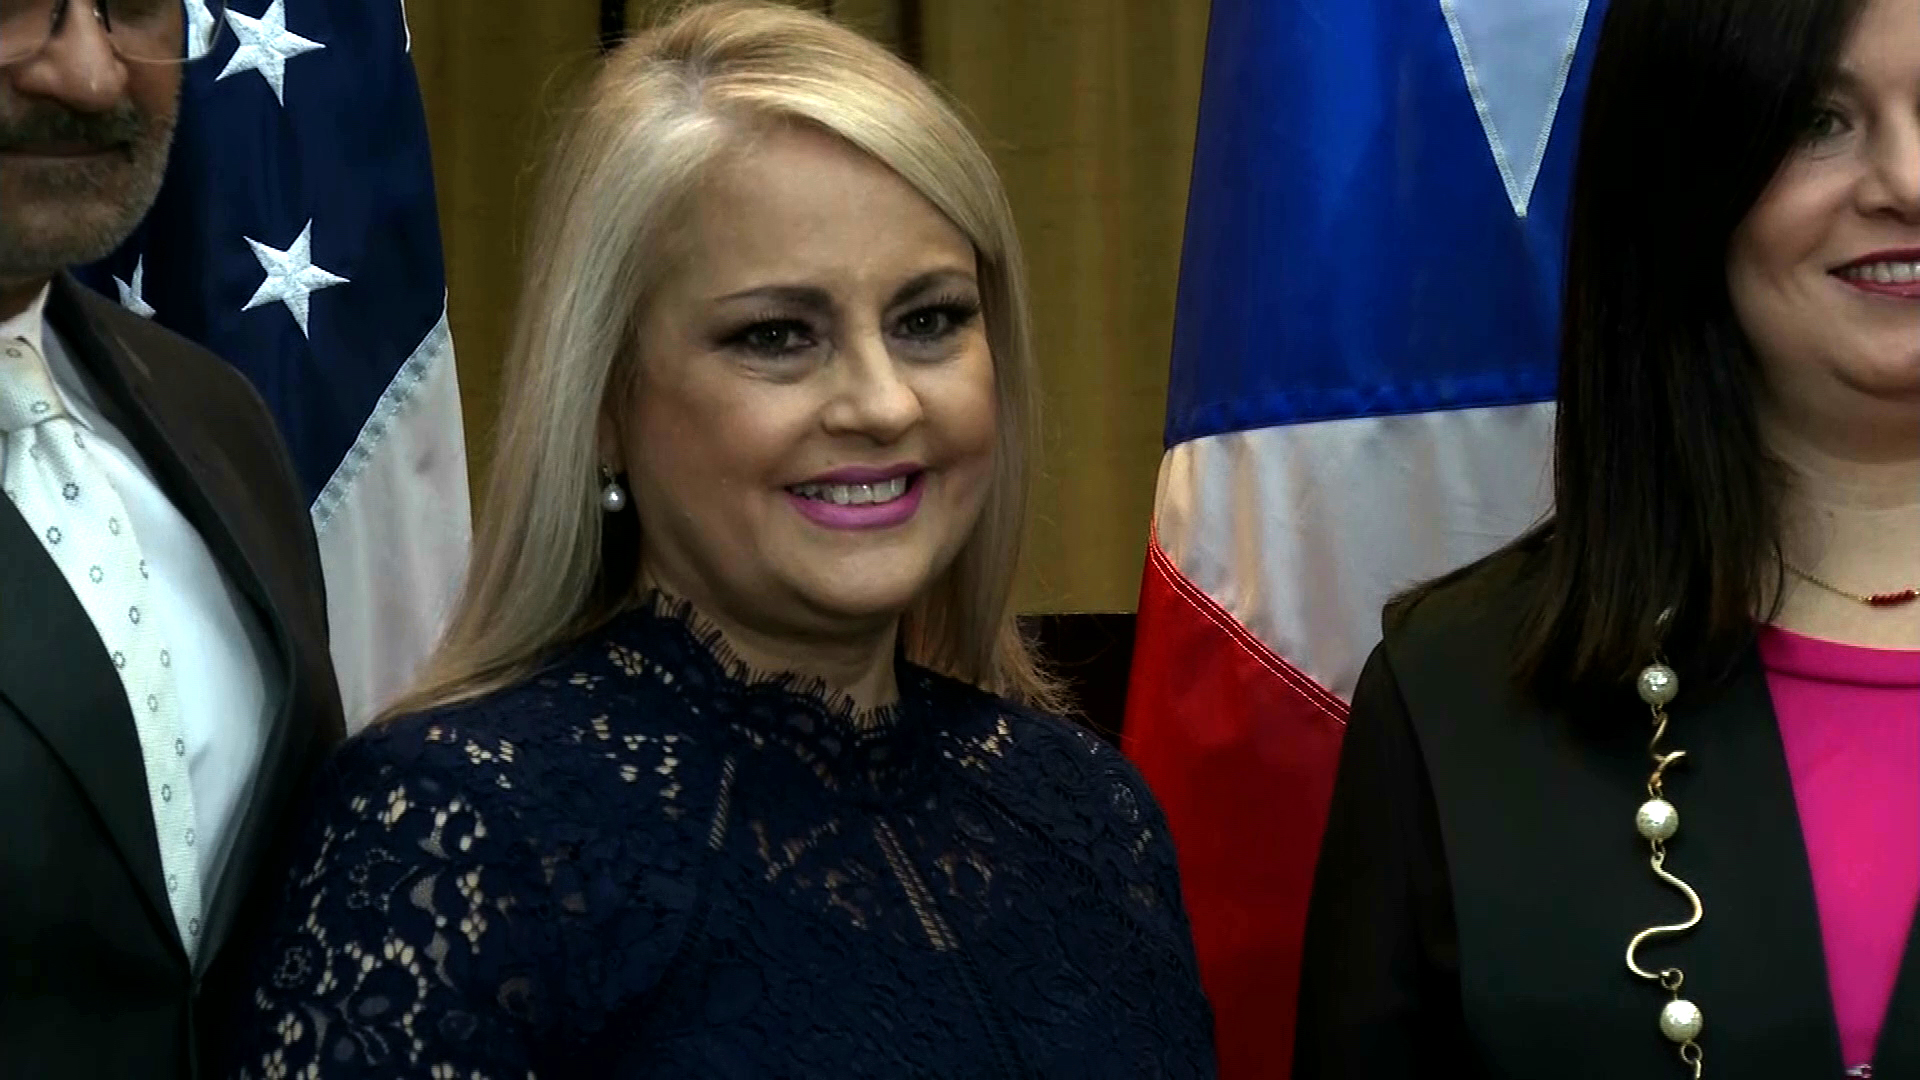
column 140, row 31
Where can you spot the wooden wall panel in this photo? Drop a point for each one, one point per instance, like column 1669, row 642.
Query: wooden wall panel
column 491, row 75
column 1088, row 107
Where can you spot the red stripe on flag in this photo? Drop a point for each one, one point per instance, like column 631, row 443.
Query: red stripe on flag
column 1239, row 748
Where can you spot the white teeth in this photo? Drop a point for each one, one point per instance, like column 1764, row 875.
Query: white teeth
column 1886, row 273
column 853, row 494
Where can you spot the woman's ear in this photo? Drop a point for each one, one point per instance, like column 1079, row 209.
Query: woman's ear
column 610, row 442
column 608, row 449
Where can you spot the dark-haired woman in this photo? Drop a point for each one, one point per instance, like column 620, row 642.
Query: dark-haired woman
column 1512, row 883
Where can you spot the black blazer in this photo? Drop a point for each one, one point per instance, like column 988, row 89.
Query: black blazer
column 1481, row 876
column 95, row 983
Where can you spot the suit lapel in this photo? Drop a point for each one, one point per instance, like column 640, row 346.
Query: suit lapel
column 1770, row 885
column 57, row 675
column 1756, row 966
column 202, row 484
column 174, row 447
column 1899, row 1051
column 1550, row 880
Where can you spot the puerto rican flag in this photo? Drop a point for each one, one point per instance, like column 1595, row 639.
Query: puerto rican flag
column 297, row 237
column 1363, row 366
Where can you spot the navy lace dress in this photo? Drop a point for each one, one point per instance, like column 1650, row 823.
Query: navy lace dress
column 643, row 864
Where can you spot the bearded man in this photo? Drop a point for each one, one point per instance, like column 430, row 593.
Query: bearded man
column 164, row 678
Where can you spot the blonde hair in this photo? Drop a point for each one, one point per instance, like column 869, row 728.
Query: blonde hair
column 666, row 106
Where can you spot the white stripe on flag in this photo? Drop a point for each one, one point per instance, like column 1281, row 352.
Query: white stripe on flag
column 1302, row 532
column 394, row 526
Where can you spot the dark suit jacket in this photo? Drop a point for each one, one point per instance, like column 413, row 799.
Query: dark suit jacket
column 1481, row 876
column 95, row 983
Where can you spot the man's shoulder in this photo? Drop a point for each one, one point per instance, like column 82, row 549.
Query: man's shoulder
column 166, row 353
column 186, row 386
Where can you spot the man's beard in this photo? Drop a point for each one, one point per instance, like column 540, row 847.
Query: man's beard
column 55, row 214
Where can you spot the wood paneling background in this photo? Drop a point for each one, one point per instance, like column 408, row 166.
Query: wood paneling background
column 1088, row 108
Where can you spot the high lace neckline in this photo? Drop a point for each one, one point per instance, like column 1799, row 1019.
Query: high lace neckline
column 873, row 749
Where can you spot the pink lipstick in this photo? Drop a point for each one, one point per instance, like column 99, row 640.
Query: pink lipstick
column 860, row 497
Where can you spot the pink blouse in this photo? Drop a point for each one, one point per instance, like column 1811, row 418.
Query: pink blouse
column 1850, row 722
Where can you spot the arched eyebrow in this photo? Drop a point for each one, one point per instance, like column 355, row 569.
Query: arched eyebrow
column 814, row 299
column 810, row 297
column 1846, row 80
column 932, row 281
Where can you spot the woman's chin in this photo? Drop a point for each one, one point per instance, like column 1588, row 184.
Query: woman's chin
column 865, row 606
column 866, row 596
column 1891, row 381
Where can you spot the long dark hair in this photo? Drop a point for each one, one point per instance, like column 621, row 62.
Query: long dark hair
column 1664, row 493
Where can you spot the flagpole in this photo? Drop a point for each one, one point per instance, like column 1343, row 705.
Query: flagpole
column 911, row 24
column 613, row 23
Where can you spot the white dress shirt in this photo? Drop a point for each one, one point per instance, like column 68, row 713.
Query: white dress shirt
column 228, row 683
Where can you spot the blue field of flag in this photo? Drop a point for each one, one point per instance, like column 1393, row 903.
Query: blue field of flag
column 1354, row 246
column 297, row 235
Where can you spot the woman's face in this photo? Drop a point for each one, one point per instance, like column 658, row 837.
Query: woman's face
column 810, row 431
column 1825, row 270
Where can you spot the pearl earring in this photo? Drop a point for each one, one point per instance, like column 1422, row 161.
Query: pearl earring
column 613, row 497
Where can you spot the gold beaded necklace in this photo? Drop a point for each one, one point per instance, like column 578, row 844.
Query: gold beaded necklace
column 1657, row 821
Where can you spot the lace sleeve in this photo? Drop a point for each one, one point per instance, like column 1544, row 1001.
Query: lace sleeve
column 412, row 935
column 1145, row 854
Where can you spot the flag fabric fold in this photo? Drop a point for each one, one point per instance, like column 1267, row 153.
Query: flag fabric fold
column 297, row 237
column 1360, row 397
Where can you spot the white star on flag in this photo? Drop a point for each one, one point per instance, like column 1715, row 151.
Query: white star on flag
column 130, row 295
column 200, row 29
column 265, row 46
column 292, row 279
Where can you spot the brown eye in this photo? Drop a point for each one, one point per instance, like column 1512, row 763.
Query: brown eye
column 773, row 337
column 1825, row 124
column 935, row 321
column 929, row 323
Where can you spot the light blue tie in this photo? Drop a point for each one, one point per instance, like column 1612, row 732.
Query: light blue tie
column 68, row 500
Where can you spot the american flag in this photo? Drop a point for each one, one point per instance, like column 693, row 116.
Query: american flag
column 296, row 237
column 1363, row 366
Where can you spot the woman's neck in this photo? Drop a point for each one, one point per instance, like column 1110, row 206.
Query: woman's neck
column 1852, row 520
column 857, row 662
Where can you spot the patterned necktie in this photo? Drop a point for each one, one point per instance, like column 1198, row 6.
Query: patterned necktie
column 69, row 502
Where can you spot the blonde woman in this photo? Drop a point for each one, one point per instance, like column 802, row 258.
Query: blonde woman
column 730, row 764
